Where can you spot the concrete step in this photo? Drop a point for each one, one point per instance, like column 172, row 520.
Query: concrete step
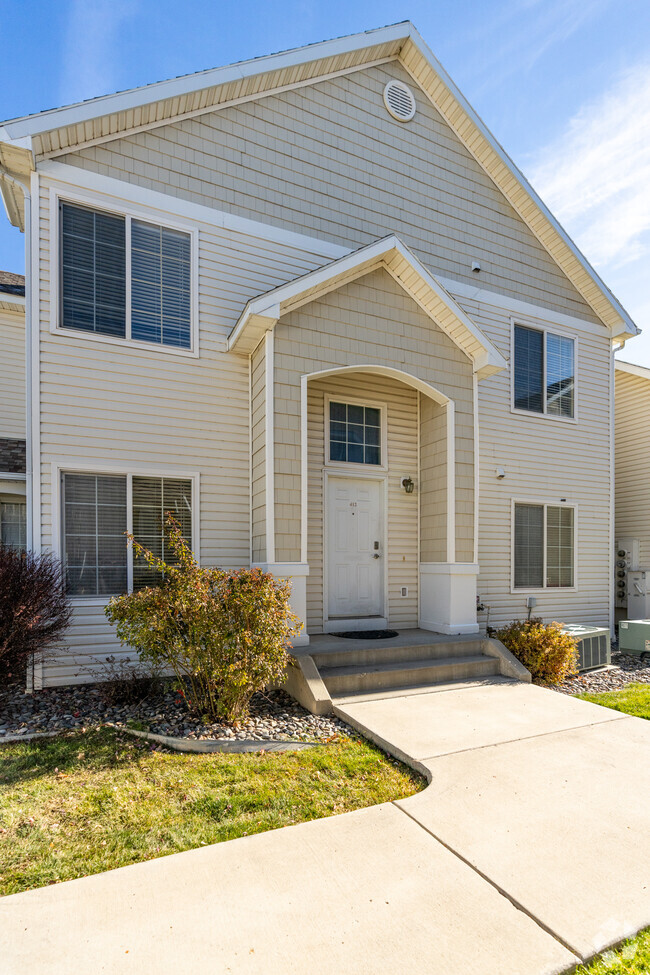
column 343, row 656
column 342, row 681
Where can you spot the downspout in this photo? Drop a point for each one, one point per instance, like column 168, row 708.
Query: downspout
column 29, row 467
column 29, row 484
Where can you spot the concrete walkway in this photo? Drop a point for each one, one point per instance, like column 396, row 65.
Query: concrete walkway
column 529, row 851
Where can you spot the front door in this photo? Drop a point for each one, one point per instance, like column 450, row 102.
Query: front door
column 355, row 556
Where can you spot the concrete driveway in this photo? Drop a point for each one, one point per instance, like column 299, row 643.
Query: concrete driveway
column 528, row 851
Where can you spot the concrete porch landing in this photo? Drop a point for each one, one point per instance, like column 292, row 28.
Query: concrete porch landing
column 332, row 669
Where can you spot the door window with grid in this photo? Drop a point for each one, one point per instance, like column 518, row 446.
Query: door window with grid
column 354, row 433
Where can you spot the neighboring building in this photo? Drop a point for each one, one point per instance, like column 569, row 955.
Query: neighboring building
column 632, row 466
column 308, row 303
column 13, row 516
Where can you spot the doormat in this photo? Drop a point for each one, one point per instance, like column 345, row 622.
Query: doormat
column 367, row 634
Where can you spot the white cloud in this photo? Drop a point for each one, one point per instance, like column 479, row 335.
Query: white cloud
column 596, row 176
column 91, row 55
column 517, row 34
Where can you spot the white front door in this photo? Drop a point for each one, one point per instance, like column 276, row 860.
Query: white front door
column 355, row 556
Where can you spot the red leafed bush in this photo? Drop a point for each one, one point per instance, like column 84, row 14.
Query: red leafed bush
column 34, row 608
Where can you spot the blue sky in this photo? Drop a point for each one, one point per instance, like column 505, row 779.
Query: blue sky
column 563, row 84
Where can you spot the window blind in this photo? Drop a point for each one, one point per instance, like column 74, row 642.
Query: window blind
column 160, row 285
column 153, row 498
column 94, row 544
column 93, row 271
column 13, row 524
column 529, row 546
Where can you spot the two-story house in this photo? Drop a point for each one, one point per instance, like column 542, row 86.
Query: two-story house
column 308, row 304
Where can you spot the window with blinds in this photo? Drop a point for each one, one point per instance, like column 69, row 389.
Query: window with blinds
column 13, row 524
column 544, row 372
column 153, row 499
column 94, row 543
column 543, row 546
column 160, row 285
column 96, row 516
column 125, row 278
column 93, row 271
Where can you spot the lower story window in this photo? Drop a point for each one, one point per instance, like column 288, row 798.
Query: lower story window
column 13, row 524
column 98, row 509
column 543, row 546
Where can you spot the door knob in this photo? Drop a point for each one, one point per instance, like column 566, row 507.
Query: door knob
column 376, row 555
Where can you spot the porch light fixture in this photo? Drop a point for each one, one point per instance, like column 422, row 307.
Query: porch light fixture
column 408, row 484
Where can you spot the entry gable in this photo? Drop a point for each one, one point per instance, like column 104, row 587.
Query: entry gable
column 262, row 313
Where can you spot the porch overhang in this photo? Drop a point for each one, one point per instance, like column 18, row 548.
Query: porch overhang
column 262, row 313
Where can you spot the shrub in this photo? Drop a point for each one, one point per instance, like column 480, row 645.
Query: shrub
column 122, row 681
column 549, row 654
column 225, row 634
column 34, row 608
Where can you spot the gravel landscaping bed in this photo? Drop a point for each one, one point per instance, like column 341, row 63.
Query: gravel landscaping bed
column 625, row 669
column 274, row 716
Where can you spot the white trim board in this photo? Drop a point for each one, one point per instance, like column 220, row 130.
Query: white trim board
column 29, row 125
column 167, row 204
column 177, row 207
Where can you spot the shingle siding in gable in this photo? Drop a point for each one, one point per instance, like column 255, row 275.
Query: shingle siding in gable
column 329, row 161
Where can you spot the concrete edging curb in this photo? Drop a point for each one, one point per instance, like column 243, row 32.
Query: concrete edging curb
column 191, row 746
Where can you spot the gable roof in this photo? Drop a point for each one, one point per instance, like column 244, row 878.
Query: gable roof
column 262, row 313
column 632, row 369
column 97, row 120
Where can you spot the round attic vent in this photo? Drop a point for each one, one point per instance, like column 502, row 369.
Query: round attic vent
column 399, row 100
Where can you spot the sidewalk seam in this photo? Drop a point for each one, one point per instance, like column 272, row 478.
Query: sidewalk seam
column 513, row 741
column 504, row 893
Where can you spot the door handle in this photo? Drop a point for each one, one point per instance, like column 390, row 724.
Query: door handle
column 376, row 555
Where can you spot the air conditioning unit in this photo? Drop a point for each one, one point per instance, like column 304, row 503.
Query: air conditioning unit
column 634, row 637
column 626, row 558
column 594, row 647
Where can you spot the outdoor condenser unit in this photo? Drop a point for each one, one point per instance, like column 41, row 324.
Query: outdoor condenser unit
column 594, row 647
column 634, row 636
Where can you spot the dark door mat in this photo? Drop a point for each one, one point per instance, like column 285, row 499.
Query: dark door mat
column 367, row 634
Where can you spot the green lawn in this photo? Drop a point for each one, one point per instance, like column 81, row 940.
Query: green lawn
column 87, row 802
column 633, row 958
column 632, row 699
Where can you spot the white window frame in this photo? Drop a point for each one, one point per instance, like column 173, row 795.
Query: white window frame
column 95, row 201
column 545, row 330
column 545, row 505
column 346, row 465
column 124, row 470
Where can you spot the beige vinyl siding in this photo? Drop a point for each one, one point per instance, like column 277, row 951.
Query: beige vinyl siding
column 12, row 375
column 133, row 409
column 433, row 482
column 370, row 320
column 328, row 160
column 258, row 448
column 545, row 460
column 401, row 416
column 632, row 464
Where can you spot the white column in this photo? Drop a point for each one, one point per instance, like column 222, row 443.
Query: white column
column 448, row 597
column 296, row 573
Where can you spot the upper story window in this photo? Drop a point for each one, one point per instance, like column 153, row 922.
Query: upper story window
column 544, row 372
column 125, row 278
column 355, row 433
